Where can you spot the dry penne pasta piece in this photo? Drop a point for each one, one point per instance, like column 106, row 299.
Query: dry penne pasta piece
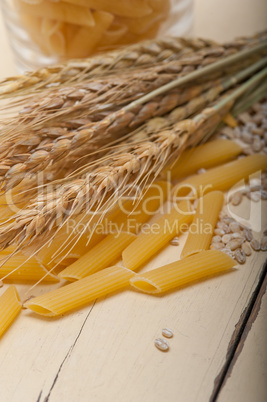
column 33, row 26
column 205, row 219
column 139, row 26
column 87, row 38
column 131, row 215
column 222, row 177
column 113, row 34
column 56, row 43
column 58, row 251
column 49, row 26
column 22, row 268
column 183, row 272
column 160, row 233
column 10, row 307
column 126, row 8
column 101, row 256
column 81, row 292
column 60, row 11
column 211, row 154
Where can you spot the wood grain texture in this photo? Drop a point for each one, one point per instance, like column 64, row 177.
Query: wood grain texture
column 105, row 352
column 246, row 378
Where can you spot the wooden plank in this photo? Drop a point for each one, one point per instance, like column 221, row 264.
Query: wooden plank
column 108, row 351
column 246, row 377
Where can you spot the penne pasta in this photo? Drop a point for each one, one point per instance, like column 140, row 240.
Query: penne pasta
column 56, row 43
column 211, row 154
column 79, row 293
column 20, row 268
column 64, row 243
column 10, row 307
column 60, row 11
column 126, row 8
column 33, row 26
column 87, row 38
column 113, row 34
column 220, row 178
column 49, row 26
column 183, row 272
column 139, row 26
column 205, row 219
column 101, row 256
column 148, row 244
column 131, row 215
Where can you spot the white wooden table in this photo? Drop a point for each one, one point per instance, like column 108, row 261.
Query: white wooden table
column 105, row 352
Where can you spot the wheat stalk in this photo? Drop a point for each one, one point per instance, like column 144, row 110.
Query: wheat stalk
column 143, row 54
column 135, row 56
column 135, row 163
column 125, row 119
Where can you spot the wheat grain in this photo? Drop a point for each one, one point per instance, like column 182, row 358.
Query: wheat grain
column 140, row 55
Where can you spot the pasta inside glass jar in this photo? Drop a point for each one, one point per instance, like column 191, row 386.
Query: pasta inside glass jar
column 78, row 28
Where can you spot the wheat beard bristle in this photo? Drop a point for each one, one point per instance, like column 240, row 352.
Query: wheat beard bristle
column 143, row 54
column 144, row 159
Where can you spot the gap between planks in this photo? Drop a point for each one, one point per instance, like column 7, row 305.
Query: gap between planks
column 240, row 333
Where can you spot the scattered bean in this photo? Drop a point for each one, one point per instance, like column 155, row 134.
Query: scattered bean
column 217, row 246
column 228, row 252
column 234, row 227
column 248, row 234
column 246, row 248
column 167, row 332
column 247, row 137
column 255, row 245
column 240, row 256
column 238, row 235
column 175, row 241
column 162, row 344
column 236, row 198
column 216, row 239
column 234, row 244
column 219, row 232
column 226, row 238
column 202, row 170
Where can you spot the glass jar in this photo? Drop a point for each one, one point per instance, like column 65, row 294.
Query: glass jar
column 43, row 32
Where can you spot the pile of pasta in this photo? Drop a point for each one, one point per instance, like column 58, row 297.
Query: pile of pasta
column 79, row 28
column 88, row 270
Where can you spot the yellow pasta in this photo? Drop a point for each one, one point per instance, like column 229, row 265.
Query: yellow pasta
column 64, row 12
column 18, row 268
column 222, row 177
column 56, row 43
column 79, row 293
column 205, row 219
column 101, row 256
column 159, row 234
column 33, row 25
column 211, row 154
column 126, row 8
column 10, row 307
column 183, row 272
column 87, row 38
column 67, row 246
column 49, row 26
column 113, row 34
column 131, row 215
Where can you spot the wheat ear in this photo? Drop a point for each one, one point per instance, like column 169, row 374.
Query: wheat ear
column 143, row 54
column 117, row 122
column 136, row 166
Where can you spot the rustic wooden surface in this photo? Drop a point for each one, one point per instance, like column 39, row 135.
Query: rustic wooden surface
column 105, row 351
